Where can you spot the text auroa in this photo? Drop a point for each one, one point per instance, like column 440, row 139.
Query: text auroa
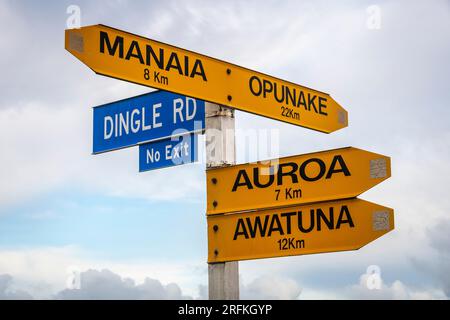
column 290, row 170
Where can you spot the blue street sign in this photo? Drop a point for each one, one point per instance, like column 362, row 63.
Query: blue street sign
column 149, row 117
column 168, row 153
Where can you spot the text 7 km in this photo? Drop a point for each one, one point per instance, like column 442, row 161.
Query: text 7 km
column 288, row 194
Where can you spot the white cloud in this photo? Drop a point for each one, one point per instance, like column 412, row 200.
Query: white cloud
column 439, row 266
column 8, row 293
column 39, row 153
column 43, row 272
column 364, row 290
column 10, row 19
column 270, row 288
column 106, row 285
column 394, row 291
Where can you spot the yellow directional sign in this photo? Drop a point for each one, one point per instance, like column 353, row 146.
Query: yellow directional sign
column 129, row 57
column 327, row 175
column 316, row 228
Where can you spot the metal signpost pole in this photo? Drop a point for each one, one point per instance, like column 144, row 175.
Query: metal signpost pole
column 223, row 277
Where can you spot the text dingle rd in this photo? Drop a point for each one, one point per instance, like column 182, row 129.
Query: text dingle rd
column 146, row 118
column 149, row 117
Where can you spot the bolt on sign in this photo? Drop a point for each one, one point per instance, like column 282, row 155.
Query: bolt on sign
column 122, row 55
column 326, row 175
column 315, row 228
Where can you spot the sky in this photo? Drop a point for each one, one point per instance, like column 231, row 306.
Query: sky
column 130, row 235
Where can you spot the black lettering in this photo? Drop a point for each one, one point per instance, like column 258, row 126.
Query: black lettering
column 150, row 53
column 276, row 95
column 290, row 96
column 343, row 167
column 118, row 44
column 302, row 100
column 273, row 228
column 240, row 225
column 138, row 55
column 156, row 77
column 311, row 102
column 186, row 66
column 288, row 216
column 170, row 64
column 201, row 72
column 322, row 216
column 291, row 243
column 258, row 226
column 288, row 194
column 268, row 87
column 322, row 105
column 242, row 173
column 255, row 93
column 291, row 172
column 256, row 177
column 319, row 175
column 348, row 219
column 300, row 222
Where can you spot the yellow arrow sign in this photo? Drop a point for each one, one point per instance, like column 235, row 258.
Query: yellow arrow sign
column 317, row 228
column 129, row 57
column 327, row 175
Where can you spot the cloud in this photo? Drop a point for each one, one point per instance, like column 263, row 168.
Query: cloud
column 438, row 267
column 264, row 287
column 268, row 287
column 48, row 149
column 101, row 285
column 439, row 236
column 106, row 285
column 43, row 272
column 394, row 291
column 8, row 293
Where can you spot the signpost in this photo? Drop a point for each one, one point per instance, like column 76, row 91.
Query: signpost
column 315, row 228
column 149, row 117
column 321, row 176
column 168, row 153
column 220, row 148
column 136, row 59
column 296, row 205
